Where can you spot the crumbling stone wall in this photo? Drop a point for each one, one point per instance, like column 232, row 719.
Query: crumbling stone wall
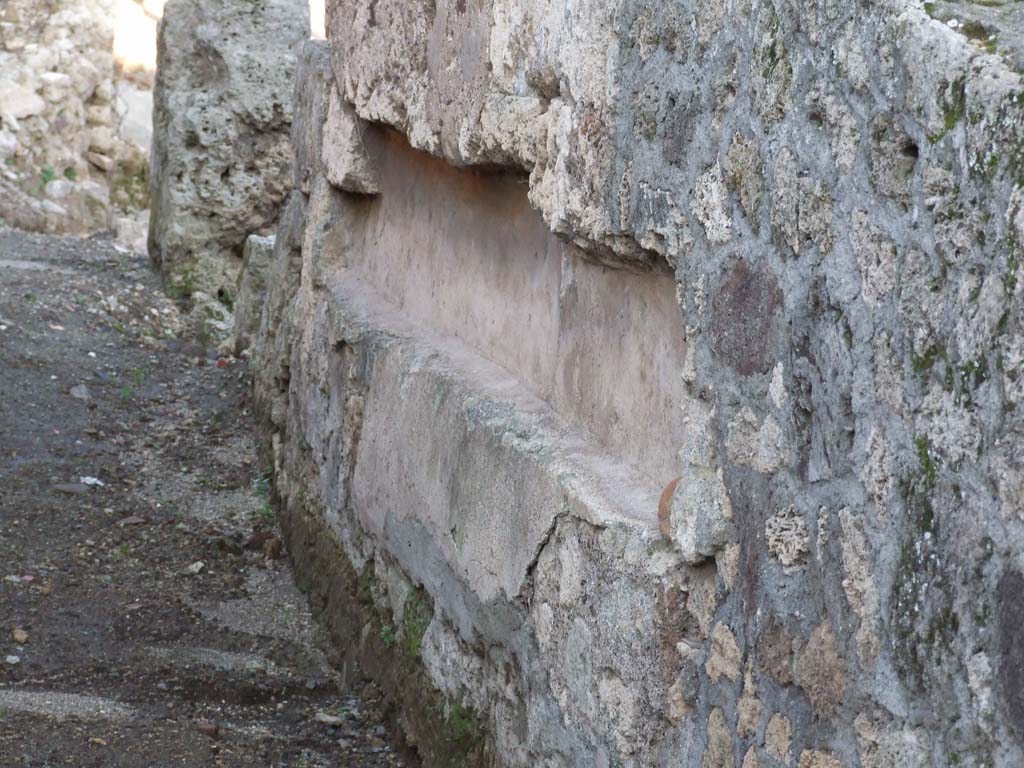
column 837, row 193
column 73, row 157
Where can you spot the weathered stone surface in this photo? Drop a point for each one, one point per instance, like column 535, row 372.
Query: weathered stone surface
column 748, row 708
column 314, row 82
column 786, row 273
column 700, row 515
column 816, row 758
column 786, row 535
column 858, row 583
column 745, row 306
column 221, row 158
column 820, row 671
column 64, row 165
column 252, row 287
column 531, row 490
column 777, row 738
column 347, row 164
column 719, row 752
column 725, row 655
column 1011, row 645
column 775, row 652
column 18, row 209
column 880, row 745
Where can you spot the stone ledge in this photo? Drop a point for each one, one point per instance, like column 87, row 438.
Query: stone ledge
column 432, row 401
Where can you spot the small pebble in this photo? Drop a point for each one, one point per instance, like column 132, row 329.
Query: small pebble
column 209, row 729
column 327, row 719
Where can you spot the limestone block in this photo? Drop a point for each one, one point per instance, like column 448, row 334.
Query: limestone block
column 816, row 758
column 18, row 209
column 102, row 162
column 135, row 114
column 720, row 752
column 725, row 658
column 345, row 158
column 777, row 738
column 314, row 82
column 222, row 110
column 700, row 517
column 252, row 283
column 8, row 144
column 18, row 101
column 58, row 189
column 786, row 535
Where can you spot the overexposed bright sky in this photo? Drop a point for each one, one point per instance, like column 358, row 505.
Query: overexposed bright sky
column 135, row 30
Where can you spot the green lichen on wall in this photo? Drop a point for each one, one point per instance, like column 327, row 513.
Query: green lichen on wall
column 923, row 616
column 415, row 620
column 954, row 107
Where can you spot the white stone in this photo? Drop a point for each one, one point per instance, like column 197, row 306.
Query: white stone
column 8, row 144
column 136, row 115
column 58, row 189
column 700, row 517
column 19, row 101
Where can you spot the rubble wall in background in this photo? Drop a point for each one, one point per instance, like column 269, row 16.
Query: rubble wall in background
column 74, row 129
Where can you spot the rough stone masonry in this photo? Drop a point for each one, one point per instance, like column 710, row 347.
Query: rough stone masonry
column 541, row 259
column 74, row 133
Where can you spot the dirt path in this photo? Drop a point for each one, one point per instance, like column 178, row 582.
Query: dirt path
column 147, row 617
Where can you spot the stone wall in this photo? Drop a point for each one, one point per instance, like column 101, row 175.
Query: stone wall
column 776, row 522
column 74, row 137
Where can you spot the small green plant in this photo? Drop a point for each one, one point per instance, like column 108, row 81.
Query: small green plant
column 261, row 489
column 127, row 393
column 462, row 724
column 415, row 619
column 364, row 588
column 387, row 636
column 261, row 486
column 227, row 298
column 47, row 174
column 71, row 174
column 265, row 512
column 138, row 377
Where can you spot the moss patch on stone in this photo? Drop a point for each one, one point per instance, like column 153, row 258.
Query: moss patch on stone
column 416, row 618
column 954, row 107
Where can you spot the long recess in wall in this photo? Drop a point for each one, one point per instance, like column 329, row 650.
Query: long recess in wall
column 462, row 252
